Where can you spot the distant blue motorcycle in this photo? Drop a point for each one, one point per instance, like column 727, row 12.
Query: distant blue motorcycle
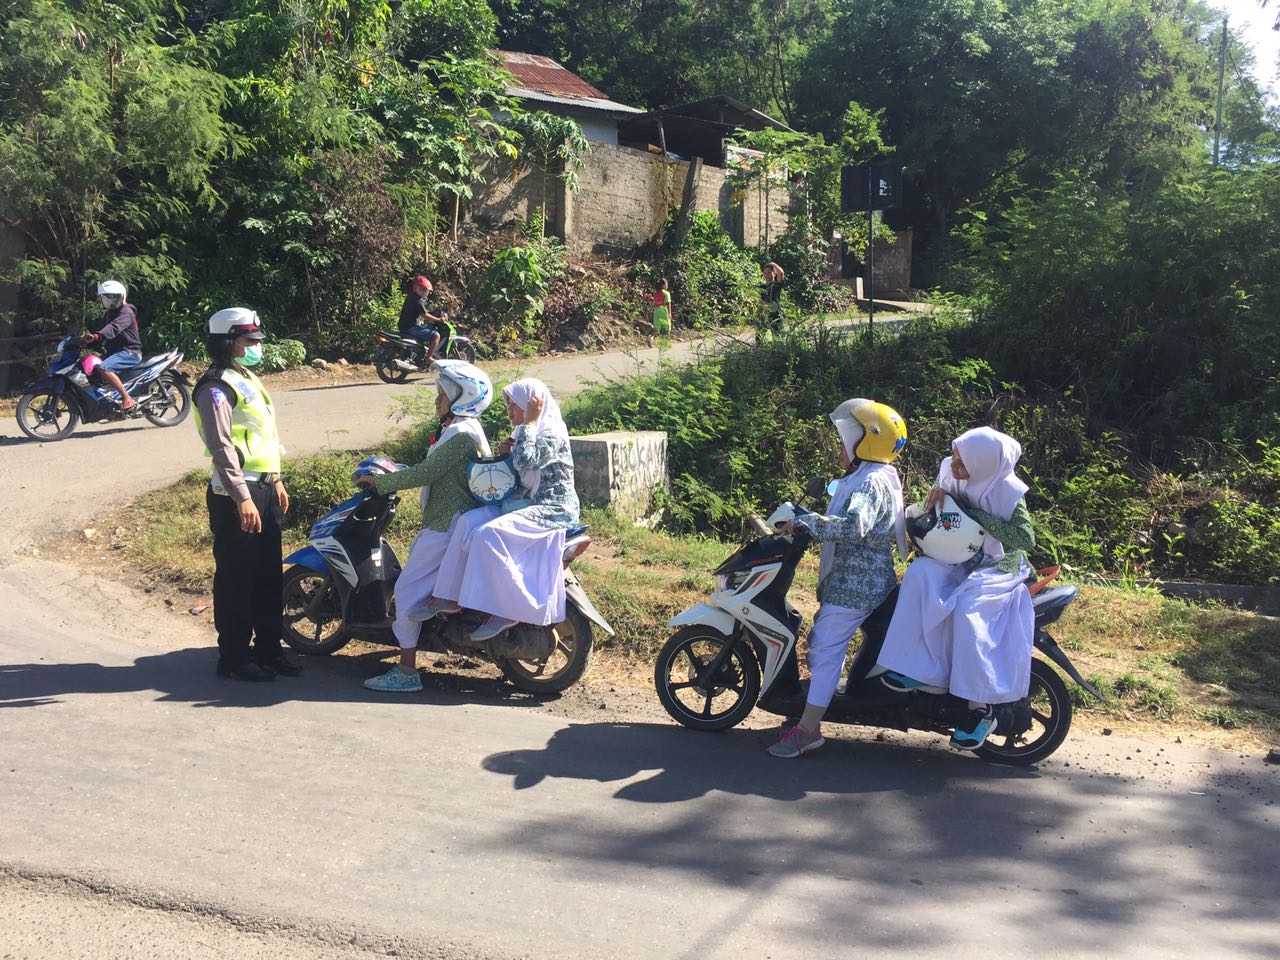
column 52, row 408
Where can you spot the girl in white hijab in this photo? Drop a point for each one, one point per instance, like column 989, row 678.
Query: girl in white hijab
column 509, row 566
column 862, row 522
column 968, row 628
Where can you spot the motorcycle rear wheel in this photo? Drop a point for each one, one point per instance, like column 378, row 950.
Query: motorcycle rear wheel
column 384, row 363
column 679, row 674
column 172, row 403
column 567, row 663
column 44, row 409
column 323, row 633
column 1050, row 722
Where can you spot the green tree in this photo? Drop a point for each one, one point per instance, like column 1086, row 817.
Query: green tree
column 107, row 144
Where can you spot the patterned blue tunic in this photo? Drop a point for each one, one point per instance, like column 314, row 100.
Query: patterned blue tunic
column 556, row 502
column 863, row 538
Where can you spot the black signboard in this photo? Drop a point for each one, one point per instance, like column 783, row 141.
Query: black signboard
column 870, row 186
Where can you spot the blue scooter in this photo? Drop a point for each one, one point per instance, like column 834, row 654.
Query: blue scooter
column 340, row 588
column 52, row 408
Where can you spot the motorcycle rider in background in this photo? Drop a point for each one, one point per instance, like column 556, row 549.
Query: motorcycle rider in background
column 118, row 338
column 418, row 322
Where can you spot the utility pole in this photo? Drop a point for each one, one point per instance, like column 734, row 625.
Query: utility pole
column 1222, row 71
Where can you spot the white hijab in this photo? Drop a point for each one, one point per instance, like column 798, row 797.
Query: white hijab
column 990, row 457
column 457, row 424
column 843, row 491
column 550, row 423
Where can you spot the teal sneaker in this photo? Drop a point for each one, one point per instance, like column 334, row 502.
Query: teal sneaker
column 976, row 736
column 395, row 680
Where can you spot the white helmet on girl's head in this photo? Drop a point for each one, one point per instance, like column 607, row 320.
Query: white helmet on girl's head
column 946, row 534
column 111, row 293
column 469, row 389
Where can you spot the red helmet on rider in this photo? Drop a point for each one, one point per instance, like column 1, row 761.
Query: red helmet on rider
column 421, row 283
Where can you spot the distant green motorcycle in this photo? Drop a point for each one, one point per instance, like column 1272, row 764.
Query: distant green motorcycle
column 396, row 356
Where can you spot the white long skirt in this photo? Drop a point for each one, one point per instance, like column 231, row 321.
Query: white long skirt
column 505, row 565
column 416, row 582
column 971, row 634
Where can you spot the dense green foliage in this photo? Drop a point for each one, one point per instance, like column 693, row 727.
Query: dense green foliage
column 294, row 157
column 746, row 429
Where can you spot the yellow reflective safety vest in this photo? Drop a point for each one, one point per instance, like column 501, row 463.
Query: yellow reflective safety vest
column 253, row 423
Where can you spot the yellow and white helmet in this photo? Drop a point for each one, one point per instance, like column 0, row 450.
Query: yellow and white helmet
column 869, row 430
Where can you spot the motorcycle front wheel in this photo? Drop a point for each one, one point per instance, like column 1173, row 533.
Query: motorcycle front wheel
column 384, row 363
column 312, row 616
column 461, row 349
column 47, row 416
column 694, row 697
column 171, row 403
column 567, row 663
column 1051, row 709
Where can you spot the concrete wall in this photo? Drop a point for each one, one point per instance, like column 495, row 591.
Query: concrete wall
column 513, row 192
column 621, row 470
column 624, row 200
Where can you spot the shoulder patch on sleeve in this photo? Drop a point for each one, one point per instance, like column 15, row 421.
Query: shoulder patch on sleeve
column 218, row 397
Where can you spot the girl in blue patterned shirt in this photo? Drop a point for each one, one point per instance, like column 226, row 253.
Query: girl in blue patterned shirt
column 857, row 533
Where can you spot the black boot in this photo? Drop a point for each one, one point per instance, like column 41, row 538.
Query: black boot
column 282, row 666
column 245, row 671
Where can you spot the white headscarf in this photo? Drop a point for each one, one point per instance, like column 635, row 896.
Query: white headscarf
column 990, row 457
column 550, row 423
column 458, row 423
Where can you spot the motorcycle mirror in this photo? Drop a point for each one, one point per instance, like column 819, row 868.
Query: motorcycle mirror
column 815, row 488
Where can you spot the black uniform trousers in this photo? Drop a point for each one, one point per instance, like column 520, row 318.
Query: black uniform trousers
column 248, row 578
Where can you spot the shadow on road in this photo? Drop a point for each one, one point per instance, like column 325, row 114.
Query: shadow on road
column 900, row 818
column 81, row 434
column 187, row 676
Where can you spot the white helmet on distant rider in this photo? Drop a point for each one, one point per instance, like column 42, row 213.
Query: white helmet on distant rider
column 469, row 389
column 111, row 294
column 946, row 534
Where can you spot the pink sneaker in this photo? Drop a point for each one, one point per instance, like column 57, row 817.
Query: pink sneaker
column 797, row 741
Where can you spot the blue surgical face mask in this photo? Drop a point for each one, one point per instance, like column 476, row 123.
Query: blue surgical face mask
column 252, row 355
column 833, row 486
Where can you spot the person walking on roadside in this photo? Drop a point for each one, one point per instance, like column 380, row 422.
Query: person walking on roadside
column 770, row 302
column 246, row 500
column 662, row 318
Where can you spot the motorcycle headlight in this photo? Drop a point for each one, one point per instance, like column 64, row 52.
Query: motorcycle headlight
column 735, row 580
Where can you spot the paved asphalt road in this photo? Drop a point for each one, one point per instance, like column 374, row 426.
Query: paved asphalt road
column 311, row 818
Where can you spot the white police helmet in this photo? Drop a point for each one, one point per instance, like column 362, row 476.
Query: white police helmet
column 237, row 322
column 946, row 534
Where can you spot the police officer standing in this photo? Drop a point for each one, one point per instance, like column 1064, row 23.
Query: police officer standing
column 246, row 500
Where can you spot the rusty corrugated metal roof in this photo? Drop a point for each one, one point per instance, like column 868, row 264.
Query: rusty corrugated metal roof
column 546, row 76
